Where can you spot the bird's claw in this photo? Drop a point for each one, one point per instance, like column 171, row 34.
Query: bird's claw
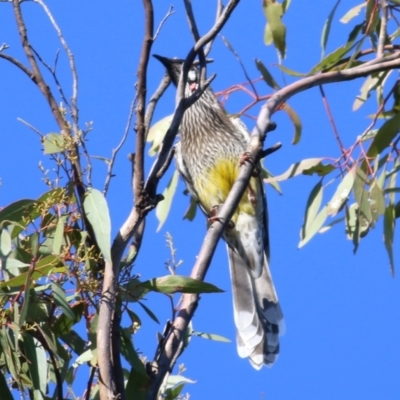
column 214, row 217
column 246, row 157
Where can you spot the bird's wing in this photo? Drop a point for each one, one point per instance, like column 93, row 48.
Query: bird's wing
column 180, row 165
column 257, row 313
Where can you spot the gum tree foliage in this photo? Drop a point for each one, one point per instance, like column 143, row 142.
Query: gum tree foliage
column 59, row 270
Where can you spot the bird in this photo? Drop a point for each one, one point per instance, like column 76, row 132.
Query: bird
column 208, row 156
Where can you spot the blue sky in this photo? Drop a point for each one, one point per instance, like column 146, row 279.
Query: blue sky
column 342, row 311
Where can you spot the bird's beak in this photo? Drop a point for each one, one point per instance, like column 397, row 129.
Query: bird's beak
column 172, row 65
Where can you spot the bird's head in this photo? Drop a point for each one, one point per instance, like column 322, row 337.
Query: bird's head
column 174, row 69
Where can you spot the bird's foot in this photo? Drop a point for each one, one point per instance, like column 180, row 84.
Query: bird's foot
column 214, row 217
column 246, row 157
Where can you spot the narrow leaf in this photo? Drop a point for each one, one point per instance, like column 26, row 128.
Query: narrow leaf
column 386, row 133
column 273, row 12
column 211, row 336
column 5, row 243
column 96, row 210
column 316, row 225
column 268, row 78
column 327, row 28
column 341, row 194
column 156, row 134
column 313, row 204
column 294, row 117
column 61, row 300
column 176, row 283
column 295, row 169
column 361, row 194
column 353, row 12
column 149, row 312
column 388, row 233
column 319, row 169
column 164, row 206
column 58, row 236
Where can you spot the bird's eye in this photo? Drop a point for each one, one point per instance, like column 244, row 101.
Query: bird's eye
column 192, row 75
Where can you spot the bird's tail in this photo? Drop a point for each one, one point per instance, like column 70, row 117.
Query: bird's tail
column 257, row 313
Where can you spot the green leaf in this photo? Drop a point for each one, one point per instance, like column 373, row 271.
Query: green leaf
column 156, row 134
column 149, row 312
column 5, row 243
column 285, row 5
column 96, row 210
column 16, row 212
column 53, row 143
column 164, row 206
column 267, row 175
column 295, row 169
column 315, row 226
column 174, row 380
column 386, row 133
column 296, row 122
column 377, row 201
column 61, row 300
column 341, row 194
column 137, row 385
column 130, row 354
column 37, row 362
column 319, row 169
column 333, row 58
column 58, row 236
column 268, row 78
column 29, row 294
column 211, row 336
column 353, row 12
column 290, row 71
column 327, row 27
column 388, row 233
column 176, row 283
column 371, row 82
column 85, row 357
column 173, row 393
column 133, row 290
column 273, row 12
column 313, row 204
column 190, row 213
column 42, row 268
column 361, row 194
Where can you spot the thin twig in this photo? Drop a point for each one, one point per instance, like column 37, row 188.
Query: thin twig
column 31, row 127
column 115, row 151
column 331, row 119
column 229, row 46
column 53, row 73
column 218, row 13
column 18, row 64
column 169, row 13
column 74, row 98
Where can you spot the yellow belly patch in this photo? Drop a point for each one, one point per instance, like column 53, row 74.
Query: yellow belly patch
column 216, row 182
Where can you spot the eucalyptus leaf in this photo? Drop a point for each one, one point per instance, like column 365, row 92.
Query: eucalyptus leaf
column 96, row 210
column 179, row 284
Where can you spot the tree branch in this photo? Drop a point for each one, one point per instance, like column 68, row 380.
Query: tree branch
column 111, row 382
